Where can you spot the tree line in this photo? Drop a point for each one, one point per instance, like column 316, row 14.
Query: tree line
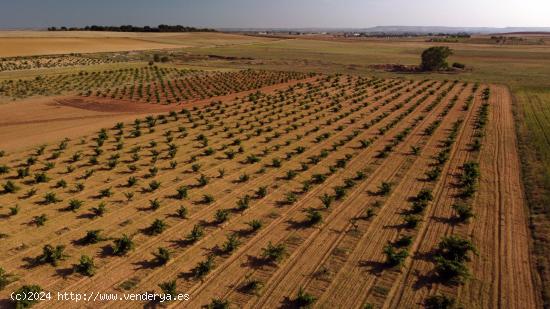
column 130, row 28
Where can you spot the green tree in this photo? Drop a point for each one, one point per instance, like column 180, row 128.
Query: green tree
column 435, row 58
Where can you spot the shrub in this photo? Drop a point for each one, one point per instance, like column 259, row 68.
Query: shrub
column 274, row 253
column 40, row 220
column 218, row 303
column 255, row 225
column 92, row 237
column 314, row 217
column 440, row 302
column 339, row 192
column 365, row 143
column 231, row 244
column 204, row 267
column 129, row 195
column 182, row 212
column 434, row 173
column 451, row 270
column 290, row 198
column 326, row 200
column 79, row 187
column 221, row 215
column 41, row 178
column 14, row 210
column 181, row 192
column 85, row 266
column 154, row 204
column 107, row 192
column 10, row 187
column 384, row 188
column 291, row 174
column 132, row 181
column 196, row 233
column 157, row 227
column 202, row 180
column 122, row 245
column 51, row 255
column 162, row 256
column 411, row 221
column 5, row 278
column 26, row 302
column 154, row 185
column 252, row 286
column 459, row 65
column 261, row 192
column 360, row 176
column 455, row 248
column 195, row 167
column 51, row 198
column 463, row 212
column 100, row 210
column 243, row 203
column 404, row 241
column 251, row 159
column 244, row 177
column 276, row 163
column 169, row 288
column 303, row 299
column 207, row 199
column 75, row 204
column 394, row 257
column 23, row 172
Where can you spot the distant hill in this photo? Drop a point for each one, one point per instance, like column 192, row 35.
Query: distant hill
column 451, row 30
column 400, row 30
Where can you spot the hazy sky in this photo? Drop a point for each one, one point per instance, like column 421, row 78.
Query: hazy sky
column 275, row 13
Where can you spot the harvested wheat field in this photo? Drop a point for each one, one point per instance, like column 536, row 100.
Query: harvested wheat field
column 259, row 189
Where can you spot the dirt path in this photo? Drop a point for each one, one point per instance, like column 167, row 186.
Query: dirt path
column 502, row 273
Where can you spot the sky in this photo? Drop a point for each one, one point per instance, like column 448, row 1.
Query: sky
column 276, row 13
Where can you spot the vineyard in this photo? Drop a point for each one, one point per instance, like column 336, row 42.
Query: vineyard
column 336, row 192
column 149, row 84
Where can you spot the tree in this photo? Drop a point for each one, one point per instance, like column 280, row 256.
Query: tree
column 274, row 253
column 435, row 58
column 162, row 256
column 304, row 299
column 92, row 237
column 5, row 278
column 196, row 233
column 221, row 215
column 122, row 245
column 51, row 255
column 314, row 217
column 10, row 187
column 169, row 288
column 218, row 303
column 394, row 257
column 440, row 302
column 99, row 211
column 157, row 227
column 85, row 266
column 203, row 268
column 21, row 294
column 255, row 225
column 231, row 244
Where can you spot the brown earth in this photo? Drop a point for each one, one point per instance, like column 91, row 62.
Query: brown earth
column 339, row 261
column 43, row 120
